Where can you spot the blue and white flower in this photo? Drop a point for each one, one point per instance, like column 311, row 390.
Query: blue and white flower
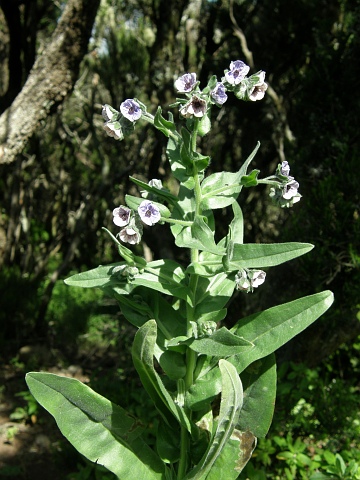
column 237, row 73
column 121, row 216
column 257, row 91
column 113, row 129
column 130, row 234
column 218, row 94
column 290, row 190
column 195, row 107
column 185, row 83
column 284, row 168
column 149, row 213
column 130, row 110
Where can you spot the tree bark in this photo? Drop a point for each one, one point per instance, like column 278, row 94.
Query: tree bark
column 51, row 79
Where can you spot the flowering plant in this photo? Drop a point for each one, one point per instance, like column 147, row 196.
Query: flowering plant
column 214, row 388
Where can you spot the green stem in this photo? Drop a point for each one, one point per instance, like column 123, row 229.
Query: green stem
column 183, row 456
column 191, row 356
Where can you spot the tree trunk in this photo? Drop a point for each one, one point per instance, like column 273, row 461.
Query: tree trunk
column 51, row 79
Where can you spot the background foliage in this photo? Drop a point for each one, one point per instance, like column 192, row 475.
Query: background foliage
column 61, row 190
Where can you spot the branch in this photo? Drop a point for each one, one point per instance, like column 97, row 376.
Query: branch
column 51, row 79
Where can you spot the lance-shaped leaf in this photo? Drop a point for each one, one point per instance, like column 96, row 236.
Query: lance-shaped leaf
column 162, row 193
column 232, row 460
column 272, row 328
column 268, row 331
column 103, row 276
column 143, row 354
column 100, row 430
column 259, row 383
column 165, row 276
column 236, row 227
column 230, row 406
column 222, row 188
column 222, row 343
column 259, row 255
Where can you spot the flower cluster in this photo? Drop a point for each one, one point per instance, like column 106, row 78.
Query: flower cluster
column 285, row 193
column 235, row 80
column 196, row 105
column 120, row 124
column 132, row 222
column 248, row 279
column 251, row 88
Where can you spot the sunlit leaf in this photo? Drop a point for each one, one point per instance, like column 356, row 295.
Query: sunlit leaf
column 83, row 415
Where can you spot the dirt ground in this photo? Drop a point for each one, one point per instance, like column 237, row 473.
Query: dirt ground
column 32, row 448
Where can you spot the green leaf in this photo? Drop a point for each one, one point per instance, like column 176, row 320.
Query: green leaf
column 232, row 460
column 163, row 193
column 222, row 343
column 102, row 276
column 143, row 353
column 167, row 127
column 268, row 331
column 259, row 255
column 245, row 165
column 200, row 161
column 173, row 364
column 100, row 430
column 199, row 236
column 236, row 227
column 165, row 276
column 207, row 266
column 230, row 406
column 145, row 304
column 168, row 443
column 204, row 390
column 251, row 179
column 259, row 383
column 272, row 328
column 222, row 188
column 204, row 125
column 173, row 152
column 212, row 294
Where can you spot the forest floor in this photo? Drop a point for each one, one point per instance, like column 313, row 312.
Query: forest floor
column 32, row 447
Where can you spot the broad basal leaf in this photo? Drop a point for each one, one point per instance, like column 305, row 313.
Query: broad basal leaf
column 100, row 430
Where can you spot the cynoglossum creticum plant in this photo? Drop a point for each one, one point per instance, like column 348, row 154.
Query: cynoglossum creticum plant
column 216, row 391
